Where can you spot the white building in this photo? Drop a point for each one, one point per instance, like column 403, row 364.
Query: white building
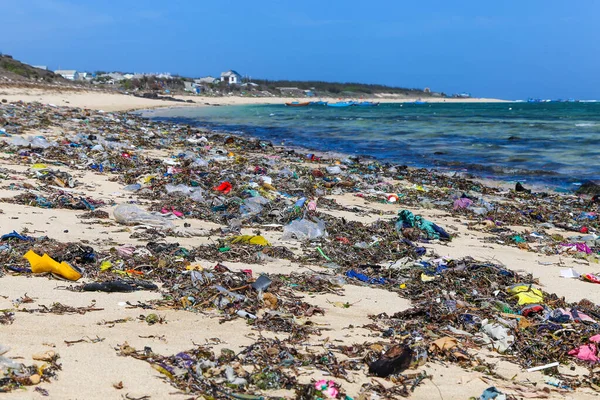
column 208, row 80
column 69, row 74
column 231, row 77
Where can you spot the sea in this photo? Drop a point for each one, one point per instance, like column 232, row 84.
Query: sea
column 552, row 144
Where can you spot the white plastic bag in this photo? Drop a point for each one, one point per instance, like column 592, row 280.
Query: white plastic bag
column 304, row 229
column 130, row 214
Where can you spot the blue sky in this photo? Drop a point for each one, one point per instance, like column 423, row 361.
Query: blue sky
column 509, row 49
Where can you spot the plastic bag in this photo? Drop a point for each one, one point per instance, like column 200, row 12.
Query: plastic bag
column 184, row 189
column 249, row 239
column 194, row 193
column 334, row 170
column 129, row 214
column 19, row 141
column 304, row 229
column 200, row 162
column 132, row 188
column 253, row 205
column 41, row 143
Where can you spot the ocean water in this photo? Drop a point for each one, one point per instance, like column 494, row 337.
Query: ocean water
column 556, row 144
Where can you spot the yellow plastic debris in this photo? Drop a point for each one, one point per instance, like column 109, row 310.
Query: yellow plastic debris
column 249, row 239
column 105, row 265
column 268, row 186
column 39, row 166
column 45, row 263
column 162, row 370
column 526, row 294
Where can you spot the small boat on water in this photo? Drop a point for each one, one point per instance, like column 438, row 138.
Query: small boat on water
column 297, row 104
column 420, row 102
column 341, row 104
column 367, row 104
column 318, row 103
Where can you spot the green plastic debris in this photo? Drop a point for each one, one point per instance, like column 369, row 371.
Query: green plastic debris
column 323, row 254
column 518, row 239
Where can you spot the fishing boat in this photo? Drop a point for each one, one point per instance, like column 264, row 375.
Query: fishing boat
column 298, row 104
column 420, row 102
column 341, row 104
column 318, row 103
column 367, row 104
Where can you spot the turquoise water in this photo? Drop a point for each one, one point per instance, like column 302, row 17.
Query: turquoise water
column 547, row 143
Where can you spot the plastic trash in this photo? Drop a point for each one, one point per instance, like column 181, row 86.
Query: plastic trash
column 492, row 393
column 334, row 170
column 16, row 235
column 129, row 214
column 7, row 364
column 253, row 205
column 245, row 314
column 45, row 263
column 232, row 379
column 586, row 352
column 41, row 143
column 232, row 295
column 132, row 188
column 497, row 336
column 262, row 283
column 304, row 229
column 570, row 273
column 183, row 189
column 462, row 202
column 526, row 294
column 286, row 173
column 406, row 219
column 200, row 162
column 224, row 187
column 364, row 278
column 249, row 239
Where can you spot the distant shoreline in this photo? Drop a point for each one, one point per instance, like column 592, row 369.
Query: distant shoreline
column 114, row 101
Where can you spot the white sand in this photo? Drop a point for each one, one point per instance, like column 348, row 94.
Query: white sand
column 101, row 100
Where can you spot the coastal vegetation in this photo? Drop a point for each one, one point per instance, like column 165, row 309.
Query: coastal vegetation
column 338, row 88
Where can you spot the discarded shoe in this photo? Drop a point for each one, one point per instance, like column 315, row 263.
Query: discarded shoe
column 46, row 263
column 394, row 361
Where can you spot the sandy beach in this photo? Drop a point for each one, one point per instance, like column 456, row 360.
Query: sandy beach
column 92, row 361
column 101, row 100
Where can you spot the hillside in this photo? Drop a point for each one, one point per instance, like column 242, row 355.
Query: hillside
column 12, row 70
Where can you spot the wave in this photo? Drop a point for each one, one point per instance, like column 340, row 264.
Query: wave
column 586, row 124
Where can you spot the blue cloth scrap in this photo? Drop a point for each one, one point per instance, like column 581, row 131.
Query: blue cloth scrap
column 491, row 393
column 15, row 235
column 364, row 278
column 443, row 234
